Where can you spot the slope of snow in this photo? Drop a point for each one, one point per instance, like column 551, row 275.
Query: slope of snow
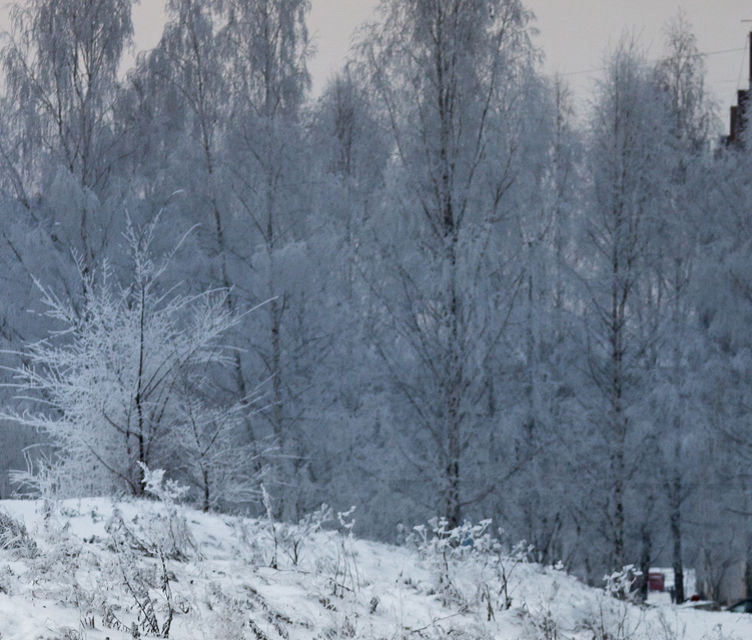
column 92, row 569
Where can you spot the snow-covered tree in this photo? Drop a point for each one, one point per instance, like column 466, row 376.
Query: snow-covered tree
column 453, row 81
column 179, row 92
column 210, row 442
column 680, row 352
column 61, row 63
column 545, row 340
column 722, row 291
column 108, row 377
column 626, row 156
column 265, row 47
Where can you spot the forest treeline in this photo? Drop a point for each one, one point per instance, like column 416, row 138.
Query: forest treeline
column 435, row 289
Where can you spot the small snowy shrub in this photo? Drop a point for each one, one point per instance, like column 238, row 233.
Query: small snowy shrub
column 247, row 532
column 142, row 547
column 613, row 616
column 503, row 566
column 163, row 529
column 41, row 478
column 142, row 569
column 611, row 620
column 15, row 537
column 540, row 622
column 69, row 633
column 167, row 527
column 442, row 547
column 541, row 625
column 62, row 561
column 226, row 617
column 718, row 634
column 242, row 613
column 346, row 578
column 671, row 629
column 619, row 583
column 445, row 548
column 8, row 580
column 148, row 587
column 292, row 538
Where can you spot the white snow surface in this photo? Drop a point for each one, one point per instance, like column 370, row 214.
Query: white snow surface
column 71, row 583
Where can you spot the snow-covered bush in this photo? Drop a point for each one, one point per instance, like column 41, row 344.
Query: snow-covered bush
column 162, row 530
column 719, row 634
column 148, row 587
column 542, row 625
column 111, row 376
column 672, row 628
column 447, row 549
column 222, row 467
column 502, row 565
column 612, row 615
column 541, row 618
column 40, row 478
column 294, row 537
column 620, row 583
column 346, row 578
column 227, row 617
column 443, row 546
column 250, row 547
column 143, row 546
column 15, row 537
column 613, row 619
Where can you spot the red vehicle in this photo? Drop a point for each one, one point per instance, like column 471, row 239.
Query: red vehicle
column 656, row 581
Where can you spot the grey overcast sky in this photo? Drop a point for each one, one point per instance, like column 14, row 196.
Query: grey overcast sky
column 574, row 35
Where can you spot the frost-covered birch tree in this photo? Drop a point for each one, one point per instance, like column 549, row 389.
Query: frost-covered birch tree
column 451, row 78
column 58, row 157
column 350, row 157
column 265, row 48
column 544, row 340
column 680, row 416
column 627, row 155
column 723, row 294
column 61, row 63
column 182, row 89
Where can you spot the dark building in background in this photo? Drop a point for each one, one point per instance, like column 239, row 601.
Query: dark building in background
column 739, row 114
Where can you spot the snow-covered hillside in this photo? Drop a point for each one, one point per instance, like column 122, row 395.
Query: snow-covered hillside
column 93, row 569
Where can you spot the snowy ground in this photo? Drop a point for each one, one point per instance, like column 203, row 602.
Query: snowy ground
column 90, row 569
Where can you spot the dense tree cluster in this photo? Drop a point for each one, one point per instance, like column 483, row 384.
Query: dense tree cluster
column 434, row 289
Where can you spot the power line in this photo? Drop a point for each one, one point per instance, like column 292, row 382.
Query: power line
column 703, row 54
column 741, row 68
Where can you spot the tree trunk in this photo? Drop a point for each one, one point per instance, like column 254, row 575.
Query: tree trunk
column 138, row 489
column 454, row 427
column 618, row 417
column 645, row 557
column 205, row 478
column 449, row 225
column 748, row 566
column 676, row 538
